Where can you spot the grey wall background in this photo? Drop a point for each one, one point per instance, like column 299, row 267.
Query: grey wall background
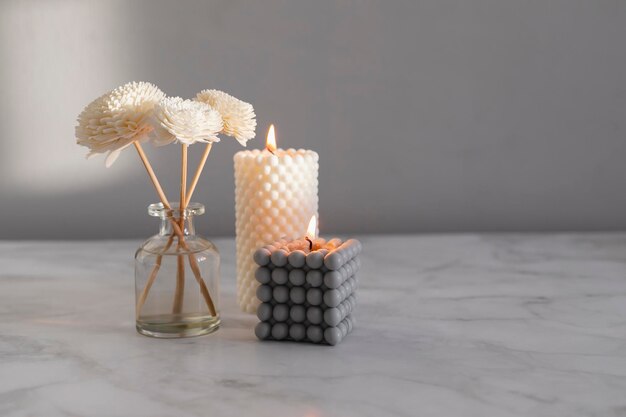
column 429, row 116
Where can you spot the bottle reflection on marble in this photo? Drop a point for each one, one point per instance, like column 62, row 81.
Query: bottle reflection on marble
column 177, row 277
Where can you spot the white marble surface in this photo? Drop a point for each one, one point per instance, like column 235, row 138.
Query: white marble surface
column 495, row 325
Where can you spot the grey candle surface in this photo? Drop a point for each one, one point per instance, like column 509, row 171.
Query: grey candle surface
column 332, row 316
column 297, row 313
column 280, row 331
column 343, row 326
column 264, row 311
column 297, row 277
column 264, row 293
column 314, row 315
column 350, row 323
column 281, row 312
column 315, row 260
column 315, row 278
column 262, row 256
column 307, row 295
column 279, row 257
column 263, row 330
column 314, row 296
column 332, row 298
column 332, row 279
column 315, row 334
column 297, row 295
column 297, row 332
column 297, row 258
column 333, row 260
column 281, row 294
column 343, row 309
column 343, row 291
column 280, row 276
column 263, row 275
column 332, row 335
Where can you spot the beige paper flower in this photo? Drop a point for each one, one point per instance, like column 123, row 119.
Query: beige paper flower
column 239, row 118
column 118, row 118
column 187, row 121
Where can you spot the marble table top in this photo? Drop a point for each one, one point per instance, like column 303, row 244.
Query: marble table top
column 451, row 325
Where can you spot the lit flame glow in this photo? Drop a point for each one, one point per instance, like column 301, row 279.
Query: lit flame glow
column 270, row 145
column 310, row 231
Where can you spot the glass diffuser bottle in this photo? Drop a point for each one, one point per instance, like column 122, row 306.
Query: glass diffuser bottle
column 177, row 277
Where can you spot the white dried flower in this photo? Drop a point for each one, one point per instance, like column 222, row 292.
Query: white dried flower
column 187, row 121
column 118, row 118
column 239, row 118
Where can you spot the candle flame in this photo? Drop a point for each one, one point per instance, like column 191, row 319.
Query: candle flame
column 270, row 145
column 310, row 231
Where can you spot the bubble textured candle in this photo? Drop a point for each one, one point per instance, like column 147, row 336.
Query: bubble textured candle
column 276, row 195
column 307, row 294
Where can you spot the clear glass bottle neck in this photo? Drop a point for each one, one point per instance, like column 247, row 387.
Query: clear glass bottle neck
column 174, row 219
column 186, row 225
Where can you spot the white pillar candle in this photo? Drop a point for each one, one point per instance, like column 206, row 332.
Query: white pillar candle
column 275, row 196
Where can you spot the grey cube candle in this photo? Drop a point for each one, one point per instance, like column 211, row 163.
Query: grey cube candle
column 307, row 290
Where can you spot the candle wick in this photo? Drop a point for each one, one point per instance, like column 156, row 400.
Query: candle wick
column 310, row 242
column 270, row 150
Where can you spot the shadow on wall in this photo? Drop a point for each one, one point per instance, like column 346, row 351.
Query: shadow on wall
column 56, row 57
column 53, row 59
column 428, row 116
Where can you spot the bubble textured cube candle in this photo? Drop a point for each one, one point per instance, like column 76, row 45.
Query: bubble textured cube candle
column 307, row 295
column 276, row 195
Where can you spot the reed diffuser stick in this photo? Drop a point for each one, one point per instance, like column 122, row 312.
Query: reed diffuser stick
column 196, row 177
column 183, row 181
column 179, row 295
column 153, row 274
column 152, row 175
column 180, row 261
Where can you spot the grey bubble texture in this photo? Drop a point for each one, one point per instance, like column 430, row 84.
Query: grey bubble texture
column 263, row 275
column 315, row 334
column 280, row 331
column 281, row 312
column 332, row 316
column 263, row 330
column 314, row 296
column 314, row 315
column 264, row 293
column 264, row 311
column 281, row 294
column 297, row 332
column 314, row 260
column 297, row 313
column 314, row 278
column 332, row 335
column 297, row 258
column 297, row 277
column 280, row 276
column 297, row 295
column 279, row 257
column 261, row 256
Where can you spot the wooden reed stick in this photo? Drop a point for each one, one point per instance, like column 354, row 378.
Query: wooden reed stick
column 193, row 262
column 153, row 274
column 183, row 179
column 177, row 308
column 195, row 268
column 196, row 177
column 152, row 175
column 203, row 288
column 180, row 261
